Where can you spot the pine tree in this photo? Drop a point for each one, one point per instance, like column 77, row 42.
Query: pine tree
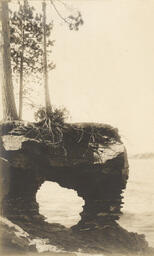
column 26, row 29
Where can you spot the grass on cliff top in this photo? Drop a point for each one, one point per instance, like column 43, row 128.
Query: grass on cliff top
column 50, row 127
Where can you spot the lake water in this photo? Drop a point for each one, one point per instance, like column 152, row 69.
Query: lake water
column 139, row 199
column 63, row 205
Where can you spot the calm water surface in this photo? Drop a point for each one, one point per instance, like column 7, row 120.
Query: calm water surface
column 139, row 199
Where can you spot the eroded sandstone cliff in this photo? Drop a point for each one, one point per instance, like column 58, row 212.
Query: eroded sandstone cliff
column 89, row 158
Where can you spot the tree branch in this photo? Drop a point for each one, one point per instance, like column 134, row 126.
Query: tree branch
column 58, row 13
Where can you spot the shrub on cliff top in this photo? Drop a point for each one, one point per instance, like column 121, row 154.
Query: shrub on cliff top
column 50, row 123
column 57, row 116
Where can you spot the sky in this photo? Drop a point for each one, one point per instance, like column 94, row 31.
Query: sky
column 105, row 71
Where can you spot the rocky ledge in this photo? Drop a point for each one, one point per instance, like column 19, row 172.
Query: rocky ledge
column 89, row 158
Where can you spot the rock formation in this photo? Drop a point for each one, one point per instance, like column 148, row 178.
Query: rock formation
column 91, row 159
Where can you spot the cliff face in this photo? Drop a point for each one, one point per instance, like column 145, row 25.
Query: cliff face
column 90, row 159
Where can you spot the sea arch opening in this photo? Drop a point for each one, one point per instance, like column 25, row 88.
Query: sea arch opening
column 59, row 205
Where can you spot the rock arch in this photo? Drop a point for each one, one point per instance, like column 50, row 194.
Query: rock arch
column 98, row 175
column 92, row 160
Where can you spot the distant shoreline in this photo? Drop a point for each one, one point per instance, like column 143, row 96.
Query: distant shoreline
column 142, row 156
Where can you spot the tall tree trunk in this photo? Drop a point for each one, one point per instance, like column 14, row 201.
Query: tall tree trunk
column 46, row 88
column 9, row 107
column 21, row 86
column 21, row 69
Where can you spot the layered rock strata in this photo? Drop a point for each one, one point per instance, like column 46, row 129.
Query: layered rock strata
column 90, row 159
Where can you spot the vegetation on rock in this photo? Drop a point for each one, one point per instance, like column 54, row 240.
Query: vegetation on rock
column 26, row 41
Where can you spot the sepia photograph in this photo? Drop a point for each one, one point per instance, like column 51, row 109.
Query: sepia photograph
column 76, row 128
